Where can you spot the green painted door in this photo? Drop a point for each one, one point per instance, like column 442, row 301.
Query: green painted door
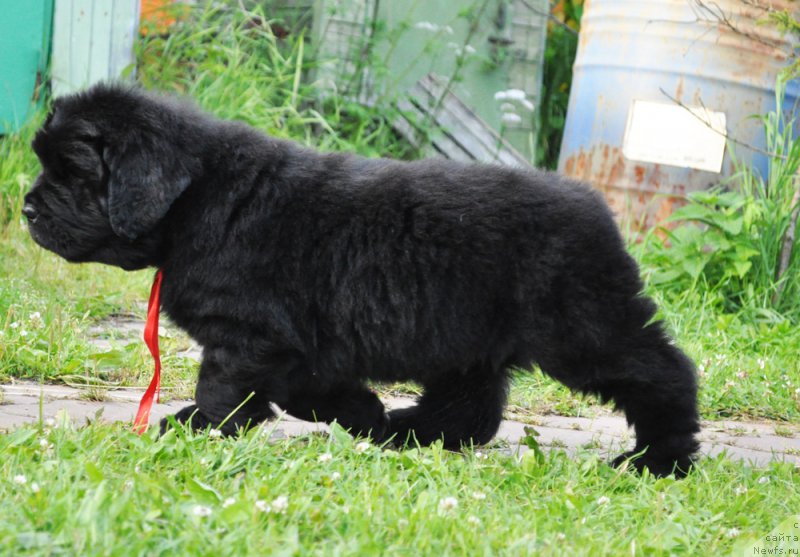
column 24, row 48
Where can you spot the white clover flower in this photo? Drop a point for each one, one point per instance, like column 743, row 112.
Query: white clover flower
column 763, row 479
column 603, row 500
column 732, row 532
column 23, row 333
column 362, row 446
column 474, row 520
column 49, row 422
column 44, row 444
column 740, row 490
column 761, row 363
column 478, row 495
column 510, row 118
column 448, row 504
column 14, row 325
column 35, row 487
column 561, row 536
column 20, row 479
column 325, row 457
column 336, row 476
column 228, row 502
column 35, row 320
column 128, row 484
column 280, row 504
column 262, row 506
column 201, row 510
column 214, row 434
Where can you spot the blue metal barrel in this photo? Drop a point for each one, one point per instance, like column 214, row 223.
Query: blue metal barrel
column 654, row 84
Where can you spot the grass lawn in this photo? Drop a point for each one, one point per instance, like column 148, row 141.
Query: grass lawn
column 100, row 490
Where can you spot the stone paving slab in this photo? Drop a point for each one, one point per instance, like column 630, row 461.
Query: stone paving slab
column 756, row 443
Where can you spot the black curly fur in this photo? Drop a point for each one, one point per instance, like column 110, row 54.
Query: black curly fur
column 305, row 274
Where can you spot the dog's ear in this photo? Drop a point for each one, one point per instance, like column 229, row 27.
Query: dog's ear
column 146, row 176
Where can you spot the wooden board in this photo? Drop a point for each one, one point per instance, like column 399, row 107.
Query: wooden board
column 456, row 131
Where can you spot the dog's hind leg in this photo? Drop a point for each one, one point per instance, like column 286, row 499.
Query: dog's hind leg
column 231, row 393
column 648, row 378
column 353, row 406
column 655, row 386
column 460, row 408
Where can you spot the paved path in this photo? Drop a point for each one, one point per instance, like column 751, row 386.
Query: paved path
column 753, row 442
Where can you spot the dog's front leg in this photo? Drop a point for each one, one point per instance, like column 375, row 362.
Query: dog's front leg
column 352, row 405
column 232, row 392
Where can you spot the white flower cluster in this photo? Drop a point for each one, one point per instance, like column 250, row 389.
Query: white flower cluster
column 278, row 505
column 433, row 27
column 460, row 51
column 511, row 99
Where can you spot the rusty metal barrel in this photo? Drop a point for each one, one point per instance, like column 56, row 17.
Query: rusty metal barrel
column 657, row 87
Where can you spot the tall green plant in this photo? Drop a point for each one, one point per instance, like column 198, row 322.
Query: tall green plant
column 231, row 62
column 559, row 56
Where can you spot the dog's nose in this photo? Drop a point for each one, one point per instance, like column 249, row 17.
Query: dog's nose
column 30, row 212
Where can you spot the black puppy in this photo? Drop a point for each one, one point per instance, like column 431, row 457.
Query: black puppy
column 304, row 274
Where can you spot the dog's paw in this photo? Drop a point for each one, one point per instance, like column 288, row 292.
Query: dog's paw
column 378, row 432
column 190, row 414
column 658, row 466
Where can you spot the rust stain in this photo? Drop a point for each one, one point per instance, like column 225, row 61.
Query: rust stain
column 665, row 209
column 679, row 90
column 569, row 167
column 638, row 171
column 633, row 190
column 580, row 165
column 616, row 172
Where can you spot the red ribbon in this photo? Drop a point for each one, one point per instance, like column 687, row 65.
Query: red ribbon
column 151, row 339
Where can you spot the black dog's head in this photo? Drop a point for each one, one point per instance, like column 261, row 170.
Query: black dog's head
column 113, row 163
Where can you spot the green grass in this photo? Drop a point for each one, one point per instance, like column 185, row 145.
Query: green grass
column 100, row 490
